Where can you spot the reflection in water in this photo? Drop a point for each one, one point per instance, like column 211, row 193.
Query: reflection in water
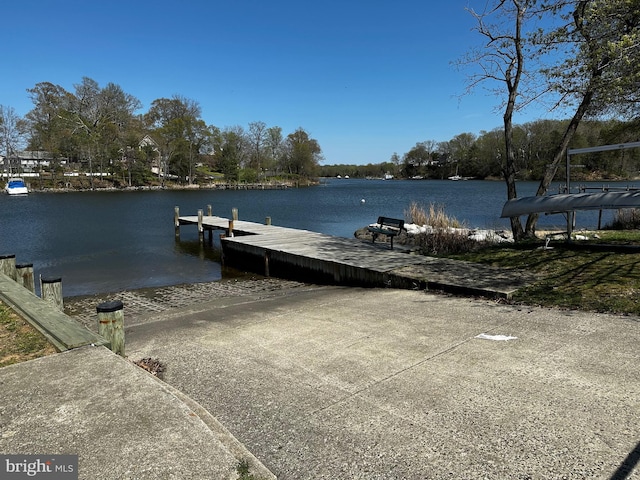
column 202, row 250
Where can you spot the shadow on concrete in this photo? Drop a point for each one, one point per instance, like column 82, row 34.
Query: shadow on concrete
column 626, row 467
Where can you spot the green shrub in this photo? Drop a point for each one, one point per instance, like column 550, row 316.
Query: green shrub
column 442, row 242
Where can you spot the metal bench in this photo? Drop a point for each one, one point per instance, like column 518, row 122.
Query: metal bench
column 386, row 226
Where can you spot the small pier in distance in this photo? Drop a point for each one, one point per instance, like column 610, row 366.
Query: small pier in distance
column 319, row 258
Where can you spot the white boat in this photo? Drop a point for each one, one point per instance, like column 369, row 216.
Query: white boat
column 16, row 186
column 455, row 177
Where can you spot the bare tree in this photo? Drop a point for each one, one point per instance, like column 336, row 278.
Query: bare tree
column 98, row 118
column 502, row 60
column 274, row 144
column 257, row 136
column 12, row 129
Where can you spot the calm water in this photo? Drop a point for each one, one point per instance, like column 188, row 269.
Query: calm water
column 110, row 241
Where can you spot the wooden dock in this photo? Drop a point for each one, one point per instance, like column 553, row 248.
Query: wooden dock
column 319, row 258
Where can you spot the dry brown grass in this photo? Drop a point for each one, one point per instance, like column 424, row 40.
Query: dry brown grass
column 435, row 216
column 625, row 219
column 19, row 341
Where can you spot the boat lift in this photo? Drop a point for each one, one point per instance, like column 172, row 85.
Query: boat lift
column 568, row 203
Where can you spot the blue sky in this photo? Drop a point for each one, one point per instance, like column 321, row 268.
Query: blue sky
column 364, row 78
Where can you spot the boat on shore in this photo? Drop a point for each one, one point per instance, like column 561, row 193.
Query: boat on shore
column 456, row 178
column 16, row 186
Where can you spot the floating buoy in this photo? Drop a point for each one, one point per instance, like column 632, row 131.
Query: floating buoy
column 362, row 201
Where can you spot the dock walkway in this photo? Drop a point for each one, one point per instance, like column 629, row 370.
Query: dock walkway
column 302, row 254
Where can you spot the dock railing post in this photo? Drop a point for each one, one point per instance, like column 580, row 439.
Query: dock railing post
column 176, row 220
column 8, row 265
column 210, row 232
column 24, row 276
column 200, row 227
column 51, row 291
column 111, row 324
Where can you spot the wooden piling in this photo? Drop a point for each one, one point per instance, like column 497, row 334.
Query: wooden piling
column 51, row 291
column 267, row 221
column 210, row 234
column 111, row 325
column 8, row 265
column 24, row 276
column 267, row 258
column 230, row 229
column 234, row 214
column 176, row 221
column 200, row 227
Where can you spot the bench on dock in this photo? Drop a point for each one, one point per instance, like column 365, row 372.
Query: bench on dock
column 386, row 226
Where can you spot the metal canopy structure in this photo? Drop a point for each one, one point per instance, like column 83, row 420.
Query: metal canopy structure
column 569, row 203
column 602, row 148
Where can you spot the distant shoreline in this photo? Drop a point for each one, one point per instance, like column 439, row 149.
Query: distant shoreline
column 148, row 188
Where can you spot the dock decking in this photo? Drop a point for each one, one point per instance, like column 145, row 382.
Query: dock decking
column 291, row 253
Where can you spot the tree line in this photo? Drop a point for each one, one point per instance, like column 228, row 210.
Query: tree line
column 482, row 156
column 96, row 129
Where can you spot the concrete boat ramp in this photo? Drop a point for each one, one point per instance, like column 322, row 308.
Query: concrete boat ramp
column 315, row 257
column 328, row 382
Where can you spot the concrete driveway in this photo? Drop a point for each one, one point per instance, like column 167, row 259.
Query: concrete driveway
column 349, row 383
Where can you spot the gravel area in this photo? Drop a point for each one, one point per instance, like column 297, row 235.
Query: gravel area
column 150, row 300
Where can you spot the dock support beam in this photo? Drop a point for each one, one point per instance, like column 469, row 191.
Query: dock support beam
column 267, row 258
column 176, row 220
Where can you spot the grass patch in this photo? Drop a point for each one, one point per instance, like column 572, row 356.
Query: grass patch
column 19, row 341
column 619, row 237
column 243, row 471
column 589, row 276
